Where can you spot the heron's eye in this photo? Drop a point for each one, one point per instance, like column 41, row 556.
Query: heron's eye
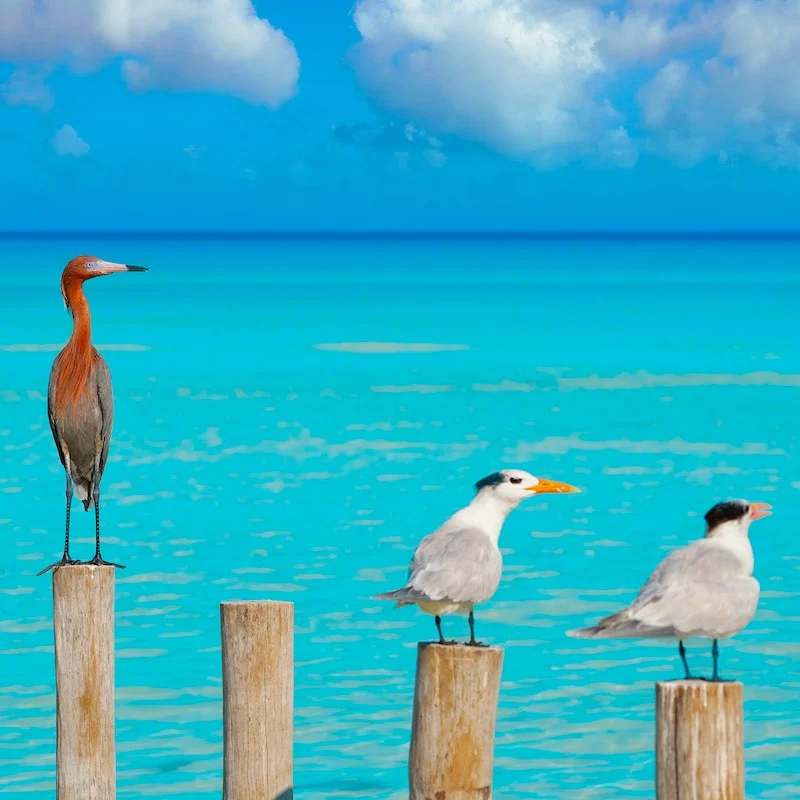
column 515, row 480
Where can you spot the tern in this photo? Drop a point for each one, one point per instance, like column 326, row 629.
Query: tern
column 459, row 565
column 705, row 589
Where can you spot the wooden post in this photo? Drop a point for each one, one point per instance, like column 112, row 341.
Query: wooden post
column 699, row 741
column 455, row 710
column 257, row 700
column 83, row 619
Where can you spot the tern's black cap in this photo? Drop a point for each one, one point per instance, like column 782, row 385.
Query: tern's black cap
column 494, row 479
column 726, row 512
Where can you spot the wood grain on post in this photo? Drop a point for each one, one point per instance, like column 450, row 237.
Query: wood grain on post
column 455, row 711
column 257, row 705
column 83, row 619
column 699, row 741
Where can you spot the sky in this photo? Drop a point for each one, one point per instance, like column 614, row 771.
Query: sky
column 399, row 115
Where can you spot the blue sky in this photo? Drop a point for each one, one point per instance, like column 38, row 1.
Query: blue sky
column 399, row 115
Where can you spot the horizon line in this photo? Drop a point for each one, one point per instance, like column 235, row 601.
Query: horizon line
column 396, row 234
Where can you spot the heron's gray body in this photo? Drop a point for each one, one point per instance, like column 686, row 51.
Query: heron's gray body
column 83, row 432
column 705, row 589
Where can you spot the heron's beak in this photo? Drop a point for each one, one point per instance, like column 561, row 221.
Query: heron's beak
column 109, row 267
column 552, row 487
column 760, row 510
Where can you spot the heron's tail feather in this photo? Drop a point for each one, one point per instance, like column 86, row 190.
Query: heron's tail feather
column 621, row 626
column 403, row 597
column 83, row 492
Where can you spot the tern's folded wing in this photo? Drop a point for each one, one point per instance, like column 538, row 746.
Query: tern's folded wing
column 459, row 565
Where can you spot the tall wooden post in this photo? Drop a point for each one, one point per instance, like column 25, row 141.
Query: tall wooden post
column 699, row 740
column 455, row 710
column 83, row 619
column 257, row 704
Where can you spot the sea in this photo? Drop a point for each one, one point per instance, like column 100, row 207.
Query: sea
column 294, row 413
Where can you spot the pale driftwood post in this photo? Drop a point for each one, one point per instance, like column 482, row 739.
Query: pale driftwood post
column 699, row 740
column 257, row 700
column 455, row 710
column 83, row 619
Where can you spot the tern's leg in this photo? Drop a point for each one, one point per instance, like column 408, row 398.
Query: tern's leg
column 442, row 640
column 65, row 559
column 715, row 656
column 98, row 559
column 682, row 651
column 472, row 641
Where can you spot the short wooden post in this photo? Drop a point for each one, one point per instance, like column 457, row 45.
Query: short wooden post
column 83, row 619
column 699, row 741
column 257, row 704
column 455, row 710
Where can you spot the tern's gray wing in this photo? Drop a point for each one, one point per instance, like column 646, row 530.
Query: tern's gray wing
column 701, row 588
column 459, row 565
column 105, row 400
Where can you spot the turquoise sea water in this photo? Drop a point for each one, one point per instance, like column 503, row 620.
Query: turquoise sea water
column 281, row 432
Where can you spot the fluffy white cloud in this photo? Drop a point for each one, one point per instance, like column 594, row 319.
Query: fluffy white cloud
column 535, row 78
column 66, row 142
column 514, row 74
column 746, row 98
column 189, row 45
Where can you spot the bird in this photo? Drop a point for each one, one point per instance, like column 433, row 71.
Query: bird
column 705, row 589
column 459, row 565
column 80, row 404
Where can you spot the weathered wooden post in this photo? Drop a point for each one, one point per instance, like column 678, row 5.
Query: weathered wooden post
column 699, row 741
column 83, row 620
column 257, row 704
column 455, row 710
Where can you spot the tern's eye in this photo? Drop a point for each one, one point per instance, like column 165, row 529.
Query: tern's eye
column 515, row 480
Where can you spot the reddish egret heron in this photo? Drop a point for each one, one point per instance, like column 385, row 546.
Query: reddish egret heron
column 80, row 404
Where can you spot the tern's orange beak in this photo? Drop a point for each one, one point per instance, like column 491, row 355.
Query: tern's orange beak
column 760, row 510
column 552, row 487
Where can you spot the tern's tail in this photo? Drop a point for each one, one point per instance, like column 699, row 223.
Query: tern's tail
column 621, row 626
column 403, row 597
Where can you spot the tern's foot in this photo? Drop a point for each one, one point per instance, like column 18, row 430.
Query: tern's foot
column 66, row 561
column 99, row 561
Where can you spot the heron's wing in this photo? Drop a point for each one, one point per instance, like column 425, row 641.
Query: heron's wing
column 459, row 565
column 51, row 405
column 105, row 399
column 697, row 587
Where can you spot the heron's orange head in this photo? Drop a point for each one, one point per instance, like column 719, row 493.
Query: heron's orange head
column 82, row 268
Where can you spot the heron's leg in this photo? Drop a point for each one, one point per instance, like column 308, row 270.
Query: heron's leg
column 472, row 641
column 682, row 651
column 65, row 559
column 98, row 559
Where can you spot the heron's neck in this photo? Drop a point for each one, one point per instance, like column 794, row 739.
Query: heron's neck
column 81, row 338
column 486, row 512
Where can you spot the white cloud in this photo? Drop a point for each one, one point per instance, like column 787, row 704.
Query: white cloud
column 66, row 142
column 26, row 87
column 744, row 99
column 183, row 45
column 517, row 75
column 535, row 78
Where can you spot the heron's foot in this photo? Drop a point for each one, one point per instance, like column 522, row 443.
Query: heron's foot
column 66, row 561
column 475, row 643
column 447, row 641
column 99, row 561
column 717, row 679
